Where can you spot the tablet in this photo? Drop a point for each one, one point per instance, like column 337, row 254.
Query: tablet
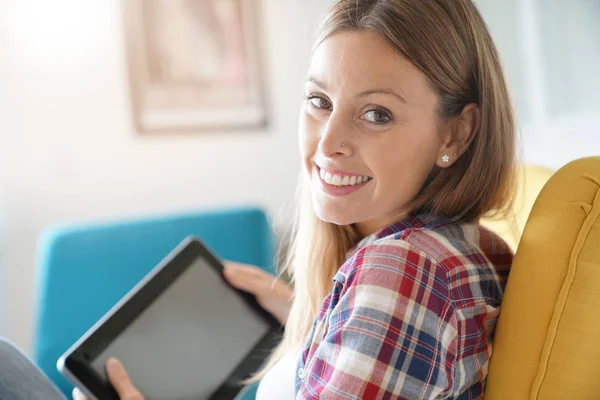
column 182, row 333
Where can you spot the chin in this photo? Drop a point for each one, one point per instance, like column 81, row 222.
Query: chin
column 332, row 214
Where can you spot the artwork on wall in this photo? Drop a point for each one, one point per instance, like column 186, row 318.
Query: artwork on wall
column 194, row 64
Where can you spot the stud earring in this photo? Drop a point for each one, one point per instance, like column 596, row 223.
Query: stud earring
column 445, row 158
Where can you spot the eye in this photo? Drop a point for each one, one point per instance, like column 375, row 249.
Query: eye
column 378, row 116
column 318, row 102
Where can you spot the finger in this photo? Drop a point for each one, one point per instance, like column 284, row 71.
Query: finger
column 78, row 395
column 119, row 378
column 247, row 278
column 234, row 267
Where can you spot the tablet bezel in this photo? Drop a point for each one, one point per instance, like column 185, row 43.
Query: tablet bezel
column 75, row 364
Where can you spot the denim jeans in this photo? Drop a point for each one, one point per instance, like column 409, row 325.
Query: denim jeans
column 21, row 379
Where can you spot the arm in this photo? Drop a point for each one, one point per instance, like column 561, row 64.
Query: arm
column 392, row 333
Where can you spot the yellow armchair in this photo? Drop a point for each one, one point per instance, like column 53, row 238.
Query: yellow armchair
column 530, row 181
column 547, row 343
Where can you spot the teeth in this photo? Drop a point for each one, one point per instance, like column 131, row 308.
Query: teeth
column 328, row 178
column 346, row 180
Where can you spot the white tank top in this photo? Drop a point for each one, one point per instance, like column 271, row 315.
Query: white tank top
column 279, row 383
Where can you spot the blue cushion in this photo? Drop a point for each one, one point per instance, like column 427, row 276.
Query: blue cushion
column 84, row 270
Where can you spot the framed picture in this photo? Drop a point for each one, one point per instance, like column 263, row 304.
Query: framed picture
column 194, row 64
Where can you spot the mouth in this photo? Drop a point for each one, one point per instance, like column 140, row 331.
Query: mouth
column 339, row 183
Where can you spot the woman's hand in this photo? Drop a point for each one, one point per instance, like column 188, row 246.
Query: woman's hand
column 271, row 293
column 118, row 377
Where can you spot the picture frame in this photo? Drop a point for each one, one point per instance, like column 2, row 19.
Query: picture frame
column 194, row 65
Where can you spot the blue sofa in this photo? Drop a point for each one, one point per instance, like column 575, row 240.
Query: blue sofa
column 84, row 269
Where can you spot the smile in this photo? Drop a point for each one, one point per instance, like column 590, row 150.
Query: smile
column 338, row 183
column 342, row 178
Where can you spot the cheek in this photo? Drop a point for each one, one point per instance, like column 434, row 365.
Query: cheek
column 406, row 165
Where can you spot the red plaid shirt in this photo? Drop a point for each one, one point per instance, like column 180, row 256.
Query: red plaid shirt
column 411, row 316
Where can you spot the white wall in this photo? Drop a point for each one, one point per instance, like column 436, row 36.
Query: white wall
column 68, row 151
column 551, row 52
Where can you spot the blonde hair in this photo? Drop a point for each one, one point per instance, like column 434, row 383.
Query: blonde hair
column 450, row 43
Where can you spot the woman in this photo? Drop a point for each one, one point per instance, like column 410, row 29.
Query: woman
column 407, row 139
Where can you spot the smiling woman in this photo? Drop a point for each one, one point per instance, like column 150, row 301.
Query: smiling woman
column 407, row 139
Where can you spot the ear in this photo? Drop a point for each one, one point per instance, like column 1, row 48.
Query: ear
column 458, row 134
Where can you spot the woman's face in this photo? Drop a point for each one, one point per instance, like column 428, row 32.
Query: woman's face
column 368, row 131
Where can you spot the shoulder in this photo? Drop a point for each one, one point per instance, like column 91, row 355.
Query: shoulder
column 476, row 261
column 455, row 244
column 397, row 269
column 421, row 248
column 447, row 259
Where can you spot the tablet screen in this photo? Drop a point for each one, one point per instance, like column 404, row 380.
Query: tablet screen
column 191, row 337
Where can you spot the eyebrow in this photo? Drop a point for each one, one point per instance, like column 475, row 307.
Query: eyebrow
column 383, row 91
column 316, row 82
column 390, row 92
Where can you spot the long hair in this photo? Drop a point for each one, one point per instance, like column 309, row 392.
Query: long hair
column 450, row 43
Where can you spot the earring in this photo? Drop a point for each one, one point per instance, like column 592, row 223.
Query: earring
column 445, row 158
column 342, row 144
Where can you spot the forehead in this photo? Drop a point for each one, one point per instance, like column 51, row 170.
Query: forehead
column 358, row 61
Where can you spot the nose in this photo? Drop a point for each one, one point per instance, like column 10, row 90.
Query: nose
column 335, row 137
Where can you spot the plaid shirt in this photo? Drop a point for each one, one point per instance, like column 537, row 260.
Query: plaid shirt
column 411, row 316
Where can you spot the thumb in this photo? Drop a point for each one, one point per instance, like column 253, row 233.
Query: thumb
column 78, row 395
column 119, row 378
